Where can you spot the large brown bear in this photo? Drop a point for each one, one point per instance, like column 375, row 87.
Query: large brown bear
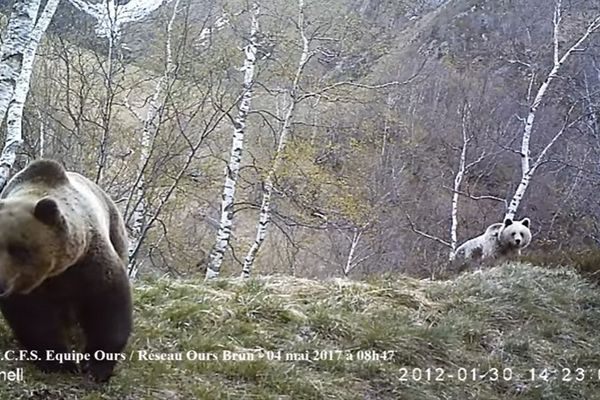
column 63, row 252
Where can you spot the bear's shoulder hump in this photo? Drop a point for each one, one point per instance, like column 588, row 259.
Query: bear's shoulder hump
column 48, row 171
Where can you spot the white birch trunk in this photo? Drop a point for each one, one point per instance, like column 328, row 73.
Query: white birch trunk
column 526, row 179
column 14, row 121
column 163, row 200
column 526, row 169
column 265, row 208
column 463, row 169
column 354, row 260
column 457, row 182
column 157, row 102
column 350, row 260
column 12, row 55
column 233, row 167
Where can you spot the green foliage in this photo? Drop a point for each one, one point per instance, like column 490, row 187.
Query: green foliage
column 315, row 183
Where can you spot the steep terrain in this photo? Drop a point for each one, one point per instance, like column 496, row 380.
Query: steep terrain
column 359, row 161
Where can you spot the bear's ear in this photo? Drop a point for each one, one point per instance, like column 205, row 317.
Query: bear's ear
column 525, row 222
column 508, row 221
column 47, row 211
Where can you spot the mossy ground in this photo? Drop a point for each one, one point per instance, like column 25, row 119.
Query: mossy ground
column 513, row 318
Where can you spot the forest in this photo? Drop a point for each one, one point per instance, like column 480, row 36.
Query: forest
column 356, row 138
column 340, row 138
column 335, row 150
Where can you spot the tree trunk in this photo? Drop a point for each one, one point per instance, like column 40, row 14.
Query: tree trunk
column 14, row 134
column 140, row 211
column 150, row 127
column 457, row 182
column 526, row 169
column 353, row 244
column 233, row 167
column 265, row 207
column 12, row 57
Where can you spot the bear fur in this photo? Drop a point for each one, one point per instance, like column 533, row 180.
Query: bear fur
column 63, row 257
column 499, row 240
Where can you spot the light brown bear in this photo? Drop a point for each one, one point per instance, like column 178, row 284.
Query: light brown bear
column 499, row 240
column 63, row 252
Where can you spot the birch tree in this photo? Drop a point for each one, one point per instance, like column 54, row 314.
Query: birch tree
column 110, row 17
column 12, row 58
column 14, row 136
column 463, row 170
column 150, row 122
column 295, row 95
column 265, row 207
column 350, row 262
column 529, row 166
column 355, row 256
column 232, row 168
column 211, row 122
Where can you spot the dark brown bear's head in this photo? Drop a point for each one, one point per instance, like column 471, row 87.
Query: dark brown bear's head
column 33, row 243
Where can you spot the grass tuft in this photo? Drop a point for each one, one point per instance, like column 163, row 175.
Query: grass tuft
column 395, row 338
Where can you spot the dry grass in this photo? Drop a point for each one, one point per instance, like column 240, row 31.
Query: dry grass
column 512, row 318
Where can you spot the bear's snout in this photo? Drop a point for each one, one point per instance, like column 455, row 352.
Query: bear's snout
column 518, row 241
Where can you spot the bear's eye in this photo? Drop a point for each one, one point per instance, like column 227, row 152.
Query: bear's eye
column 514, row 233
column 18, row 252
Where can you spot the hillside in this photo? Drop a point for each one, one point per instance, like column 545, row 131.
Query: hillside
column 515, row 317
column 360, row 163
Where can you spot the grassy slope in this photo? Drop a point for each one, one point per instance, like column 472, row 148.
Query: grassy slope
column 513, row 316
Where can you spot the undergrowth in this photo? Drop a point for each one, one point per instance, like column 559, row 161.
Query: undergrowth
column 286, row 338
